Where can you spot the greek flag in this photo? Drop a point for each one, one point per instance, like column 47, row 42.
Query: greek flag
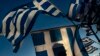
column 63, row 42
column 48, row 7
column 18, row 23
column 74, row 7
column 56, row 42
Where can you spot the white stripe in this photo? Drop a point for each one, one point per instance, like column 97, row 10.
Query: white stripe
column 49, row 8
column 55, row 13
column 71, row 10
column 47, row 46
column 20, row 44
column 48, row 43
column 37, row 5
column 40, row 48
column 12, row 29
column 77, row 2
column 76, row 47
column 73, row 29
column 18, row 25
column 66, row 43
column 19, row 19
column 4, row 21
column 19, row 10
column 58, row 42
column 29, row 19
column 16, row 36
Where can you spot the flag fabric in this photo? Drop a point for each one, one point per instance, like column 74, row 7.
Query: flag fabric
column 74, row 8
column 48, row 7
column 91, row 45
column 64, row 42
column 18, row 23
column 80, row 43
column 56, row 42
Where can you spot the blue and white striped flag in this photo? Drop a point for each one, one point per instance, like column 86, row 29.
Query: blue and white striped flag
column 16, row 26
column 48, row 7
column 18, row 23
column 56, row 42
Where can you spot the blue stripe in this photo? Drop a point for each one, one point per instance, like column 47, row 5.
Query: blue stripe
column 60, row 14
column 71, row 39
column 38, row 38
column 80, row 44
column 29, row 5
column 45, row 5
column 42, row 53
column 50, row 14
column 38, row 0
column 29, row 27
column 55, row 35
column 73, row 1
column 14, row 22
column 52, row 10
column 85, row 1
column 12, row 37
column 8, row 26
column 17, row 14
column 15, row 25
column 74, row 11
column 16, row 48
column 23, row 20
column 32, row 23
column 82, row 7
column 20, row 38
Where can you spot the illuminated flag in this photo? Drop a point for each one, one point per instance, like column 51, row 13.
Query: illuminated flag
column 18, row 23
column 56, row 42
